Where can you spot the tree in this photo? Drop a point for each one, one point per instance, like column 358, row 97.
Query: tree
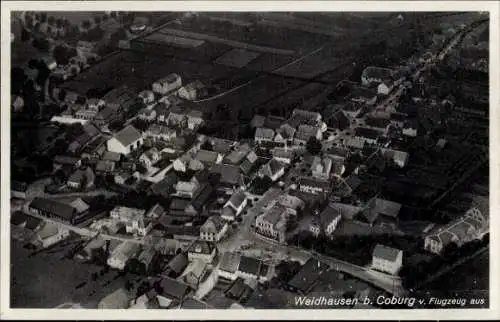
column 41, row 44
column 43, row 17
column 262, row 184
column 59, row 23
column 25, row 35
column 97, row 19
column 51, row 20
column 207, row 146
column 18, row 78
column 86, row 24
column 61, row 55
column 313, row 145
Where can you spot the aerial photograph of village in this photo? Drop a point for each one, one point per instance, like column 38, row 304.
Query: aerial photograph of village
column 249, row 160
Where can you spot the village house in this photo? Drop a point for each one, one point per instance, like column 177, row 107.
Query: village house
column 160, row 132
column 248, row 163
column 249, row 268
column 18, row 189
column 363, row 95
column 387, row 259
column 207, row 158
column 176, row 265
column 134, row 220
column 120, row 99
column 147, row 96
column 147, row 114
column 231, row 177
column 352, row 109
column 470, row 226
column 385, row 87
column 214, row 229
column 263, row 135
column 176, row 116
column 193, row 91
column 194, row 273
column 234, row 206
column 399, row 158
column 368, row 135
column 284, row 155
column 376, row 75
column 119, row 299
column 54, row 209
column 398, row 119
column 161, row 110
column 285, row 134
column 203, row 250
column 380, row 124
column 272, row 223
column 272, row 169
column 81, row 179
column 229, row 263
column 150, row 157
column 122, row 177
column 171, row 292
column 410, row 129
column 321, row 167
column 65, row 160
column 313, row 186
column 307, row 277
column 50, row 234
column 194, row 119
column 105, row 166
column 186, row 188
column 305, row 132
column 307, row 115
column 168, row 84
column 127, row 140
column 122, row 254
column 329, row 219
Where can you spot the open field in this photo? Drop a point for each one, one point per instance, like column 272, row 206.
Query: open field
column 45, row 280
column 139, row 71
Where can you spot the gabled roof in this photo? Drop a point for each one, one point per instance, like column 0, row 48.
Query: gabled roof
column 79, row 205
column 264, row 133
column 201, row 247
column 111, row 156
column 377, row 122
column 258, row 120
column 377, row 72
column 230, row 262
column 237, row 198
column 166, row 185
column 214, row 222
column 173, row 289
column 46, row 205
column 229, row 174
column 385, row 252
column 128, row 135
column 178, row 263
column 367, row 133
column 250, row 265
column 156, row 211
column 206, row 156
column 308, row 274
column 328, row 215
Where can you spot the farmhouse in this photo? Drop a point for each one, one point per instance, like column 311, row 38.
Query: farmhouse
column 127, row 140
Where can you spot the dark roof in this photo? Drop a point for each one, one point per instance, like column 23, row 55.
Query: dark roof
column 339, row 120
column 202, row 175
column 230, row 262
column 65, row 159
column 179, row 204
column 165, row 186
column 173, row 289
column 201, row 247
column 237, row 198
column 128, row 135
column 192, row 303
column 18, row 186
column 328, row 215
column 18, row 218
column 53, row 207
column 237, row 289
column 178, row 263
column 367, row 132
column 377, row 72
column 249, row 265
column 377, row 122
column 307, row 276
column 399, row 116
column 202, row 197
column 387, row 253
column 33, row 222
column 229, row 174
column 309, row 181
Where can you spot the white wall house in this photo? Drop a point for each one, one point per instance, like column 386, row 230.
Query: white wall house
column 387, row 259
column 168, row 84
column 127, row 140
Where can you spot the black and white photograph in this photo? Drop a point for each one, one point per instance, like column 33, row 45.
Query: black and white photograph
column 191, row 160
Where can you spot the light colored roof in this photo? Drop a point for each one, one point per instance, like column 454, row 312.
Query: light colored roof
column 119, row 299
column 237, row 198
column 230, row 262
column 196, row 267
column 282, row 153
column 128, row 135
column 385, row 252
column 195, row 113
column 264, row 133
column 79, row 205
column 206, row 156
